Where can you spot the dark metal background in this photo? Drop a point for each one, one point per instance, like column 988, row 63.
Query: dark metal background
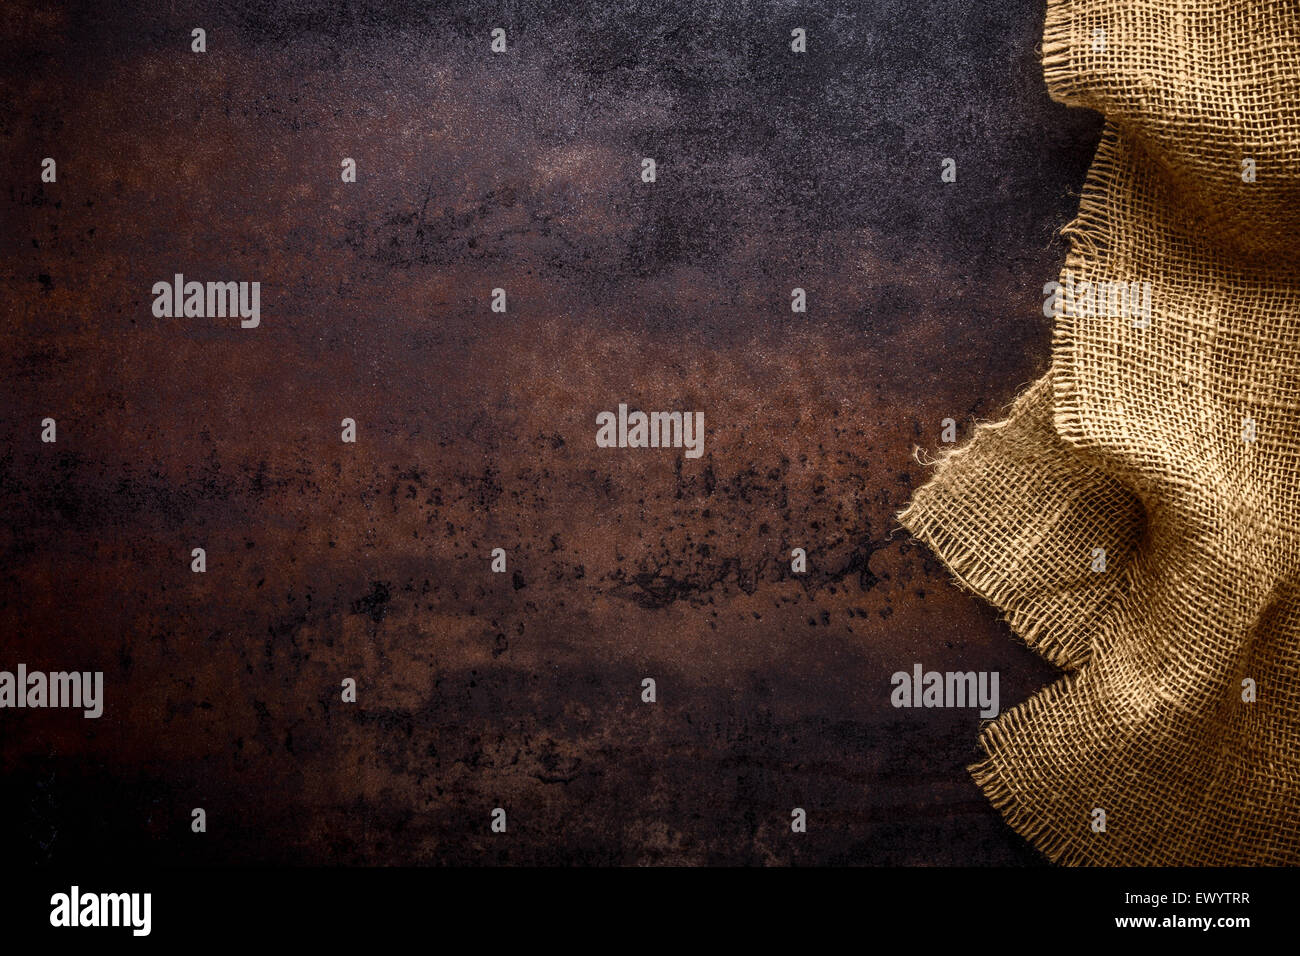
column 477, row 430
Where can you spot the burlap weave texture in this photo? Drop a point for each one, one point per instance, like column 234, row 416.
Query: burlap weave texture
column 1167, row 433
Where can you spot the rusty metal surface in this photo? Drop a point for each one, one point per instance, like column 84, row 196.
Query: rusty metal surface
column 476, row 429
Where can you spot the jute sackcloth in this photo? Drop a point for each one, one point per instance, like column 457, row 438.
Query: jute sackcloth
column 1166, row 434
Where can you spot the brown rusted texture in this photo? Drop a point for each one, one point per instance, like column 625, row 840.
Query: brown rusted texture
column 476, row 430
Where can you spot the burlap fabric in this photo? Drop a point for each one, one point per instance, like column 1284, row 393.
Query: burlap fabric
column 1168, row 437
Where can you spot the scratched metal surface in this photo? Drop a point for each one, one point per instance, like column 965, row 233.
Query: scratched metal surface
column 476, row 430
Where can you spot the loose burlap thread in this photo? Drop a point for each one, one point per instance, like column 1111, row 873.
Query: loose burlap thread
column 1169, row 436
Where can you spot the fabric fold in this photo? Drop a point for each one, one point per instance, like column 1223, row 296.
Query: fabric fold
column 1167, row 434
column 1017, row 484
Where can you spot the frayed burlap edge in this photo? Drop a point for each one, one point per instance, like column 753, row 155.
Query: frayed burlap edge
column 973, row 570
column 1085, row 234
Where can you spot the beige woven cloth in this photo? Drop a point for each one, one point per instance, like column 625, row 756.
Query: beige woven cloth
column 1170, row 438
